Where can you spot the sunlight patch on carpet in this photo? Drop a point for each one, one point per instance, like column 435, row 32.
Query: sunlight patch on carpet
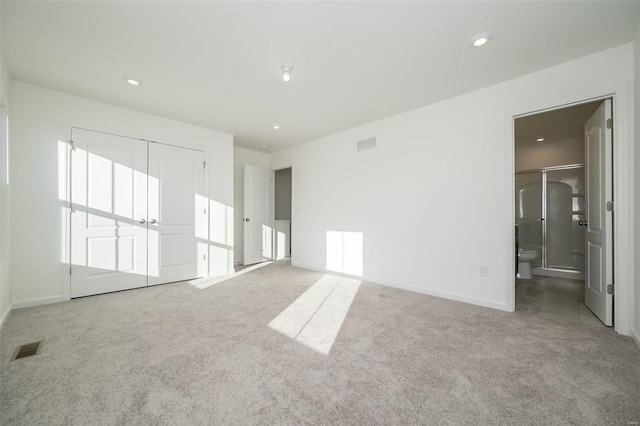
column 203, row 283
column 314, row 319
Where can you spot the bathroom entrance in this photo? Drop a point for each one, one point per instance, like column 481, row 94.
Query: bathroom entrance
column 563, row 204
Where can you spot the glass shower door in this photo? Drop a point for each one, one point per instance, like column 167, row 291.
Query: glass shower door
column 565, row 241
column 529, row 216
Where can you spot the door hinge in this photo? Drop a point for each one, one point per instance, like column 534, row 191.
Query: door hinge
column 609, row 123
column 609, row 288
column 204, row 164
column 204, row 257
column 69, row 270
column 73, row 147
column 609, row 206
column 205, row 211
column 73, row 209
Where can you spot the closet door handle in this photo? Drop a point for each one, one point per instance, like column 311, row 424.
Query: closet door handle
column 142, row 221
column 153, row 221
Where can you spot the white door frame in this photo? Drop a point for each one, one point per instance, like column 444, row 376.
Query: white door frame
column 291, row 220
column 622, row 194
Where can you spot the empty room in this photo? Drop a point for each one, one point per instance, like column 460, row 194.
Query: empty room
column 293, row 212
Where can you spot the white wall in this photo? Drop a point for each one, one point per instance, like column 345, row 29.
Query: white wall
column 5, row 273
column 40, row 118
column 547, row 154
column 434, row 200
column 635, row 330
column 241, row 157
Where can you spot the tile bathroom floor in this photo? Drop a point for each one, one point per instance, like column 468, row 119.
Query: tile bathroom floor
column 554, row 298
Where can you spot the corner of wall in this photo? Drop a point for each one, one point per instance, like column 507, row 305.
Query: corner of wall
column 636, row 337
column 635, row 279
column 5, row 315
column 5, row 271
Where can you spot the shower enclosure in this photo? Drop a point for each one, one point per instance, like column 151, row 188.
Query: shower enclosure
column 550, row 214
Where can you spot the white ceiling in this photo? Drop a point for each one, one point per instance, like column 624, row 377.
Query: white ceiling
column 217, row 64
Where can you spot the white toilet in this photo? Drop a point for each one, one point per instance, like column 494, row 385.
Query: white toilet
column 524, row 263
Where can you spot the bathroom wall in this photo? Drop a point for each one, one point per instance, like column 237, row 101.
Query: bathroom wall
column 547, row 154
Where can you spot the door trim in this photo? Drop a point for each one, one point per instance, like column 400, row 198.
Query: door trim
column 623, row 169
column 129, row 137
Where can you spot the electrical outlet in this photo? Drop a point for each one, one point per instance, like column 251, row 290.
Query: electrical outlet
column 484, row 271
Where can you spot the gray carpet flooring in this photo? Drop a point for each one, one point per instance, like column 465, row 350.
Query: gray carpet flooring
column 177, row 354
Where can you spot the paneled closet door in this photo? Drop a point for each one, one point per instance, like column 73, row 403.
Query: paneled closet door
column 109, row 212
column 177, row 215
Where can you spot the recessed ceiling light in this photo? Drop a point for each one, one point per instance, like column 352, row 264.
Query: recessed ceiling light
column 264, row 147
column 133, row 81
column 539, row 139
column 276, row 127
column 286, row 68
column 480, row 40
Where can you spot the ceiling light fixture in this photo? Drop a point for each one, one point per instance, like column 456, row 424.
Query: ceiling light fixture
column 286, row 68
column 264, row 147
column 276, row 127
column 539, row 139
column 133, row 81
column 480, row 40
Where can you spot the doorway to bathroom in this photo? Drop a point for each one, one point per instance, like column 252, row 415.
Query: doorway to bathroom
column 563, row 211
column 283, row 192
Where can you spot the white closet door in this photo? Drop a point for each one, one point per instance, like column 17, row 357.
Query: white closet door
column 109, row 211
column 176, row 211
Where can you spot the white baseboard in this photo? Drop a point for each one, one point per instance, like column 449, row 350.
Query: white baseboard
column 636, row 337
column 402, row 286
column 38, row 302
column 5, row 316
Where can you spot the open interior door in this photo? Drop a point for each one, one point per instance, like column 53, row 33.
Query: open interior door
column 259, row 213
column 599, row 238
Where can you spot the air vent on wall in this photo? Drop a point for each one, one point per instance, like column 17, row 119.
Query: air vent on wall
column 366, row 144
